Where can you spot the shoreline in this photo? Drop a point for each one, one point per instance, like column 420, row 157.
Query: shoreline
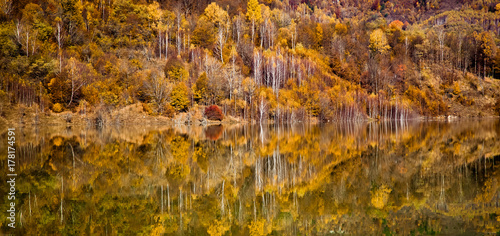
column 131, row 115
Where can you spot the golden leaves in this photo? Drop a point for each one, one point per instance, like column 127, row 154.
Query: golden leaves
column 253, row 11
column 380, row 196
column 378, row 42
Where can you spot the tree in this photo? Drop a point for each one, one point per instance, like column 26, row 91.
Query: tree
column 396, row 25
column 158, row 89
column 6, row 6
column 215, row 74
column 262, row 107
column 233, row 80
column 378, row 42
column 257, row 63
column 486, row 47
column 174, row 70
column 319, row 35
column 72, row 17
column 179, row 98
column 220, row 21
column 253, row 15
column 60, row 38
column 58, row 89
column 200, row 88
column 238, row 26
column 440, row 36
column 79, row 75
column 217, row 16
column 249, row 88
column 221, row 41
column 204, row 33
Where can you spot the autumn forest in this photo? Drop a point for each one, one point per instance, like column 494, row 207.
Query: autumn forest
column 256, row 60
column 249, row 117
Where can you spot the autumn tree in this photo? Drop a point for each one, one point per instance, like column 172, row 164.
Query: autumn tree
column 158, row 89
column 487, row 49
column 200, row 88
column 79, row 75
column 204, row 33
column 179, row 98
column 254, row 16
column 175, row 70
column 72, row 18
column 221, row 22
column 6, row 6
column 59, row 34
column 378, row 42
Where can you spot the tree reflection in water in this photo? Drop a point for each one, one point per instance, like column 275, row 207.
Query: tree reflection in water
column 355, row 178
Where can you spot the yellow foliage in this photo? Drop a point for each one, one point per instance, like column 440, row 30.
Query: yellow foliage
column 378, row 42
column 380, row 196
column 319, row 33
column 456, row 88
column 57, row 108
column 180, row 148
column 147, row 107
column 175, row 70
column 259, row 227
column 158, row 228
column 218, row 228
column 341, row 29
column 216, row 15
column 57, row 141
column 179, row 97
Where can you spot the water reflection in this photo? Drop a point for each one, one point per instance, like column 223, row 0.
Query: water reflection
column 354, row 178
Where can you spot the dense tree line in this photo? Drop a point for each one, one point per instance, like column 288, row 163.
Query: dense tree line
column 259, row 60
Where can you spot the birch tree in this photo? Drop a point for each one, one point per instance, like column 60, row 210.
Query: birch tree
column 79, row 75
column 254, row 16
column 59, row 37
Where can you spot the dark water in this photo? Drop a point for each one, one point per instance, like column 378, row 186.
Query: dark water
column 412, row 178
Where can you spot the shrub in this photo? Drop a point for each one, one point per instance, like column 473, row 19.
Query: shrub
column 146, row 107
column 168, row 111
column 456, row 88
column 465, row 100
column 57, row 108
column 213, row 112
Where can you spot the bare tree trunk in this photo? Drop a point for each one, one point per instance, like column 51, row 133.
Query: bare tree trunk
column 162, row 199
column 159, row 42
column 168, row 198
column 222, row 198
column 62, row 190
column 253, row 32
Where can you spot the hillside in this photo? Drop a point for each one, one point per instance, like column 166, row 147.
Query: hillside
column 257, row 60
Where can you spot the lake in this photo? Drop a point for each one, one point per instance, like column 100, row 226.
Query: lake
column 399, row 178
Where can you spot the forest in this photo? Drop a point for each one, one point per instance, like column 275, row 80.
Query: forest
column 256, row 60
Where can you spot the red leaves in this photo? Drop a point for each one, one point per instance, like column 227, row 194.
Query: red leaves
column 213, row 112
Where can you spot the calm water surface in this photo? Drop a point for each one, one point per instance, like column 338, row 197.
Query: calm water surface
column 414, row 178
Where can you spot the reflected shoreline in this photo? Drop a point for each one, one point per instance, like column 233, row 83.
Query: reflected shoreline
column 352, row 177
